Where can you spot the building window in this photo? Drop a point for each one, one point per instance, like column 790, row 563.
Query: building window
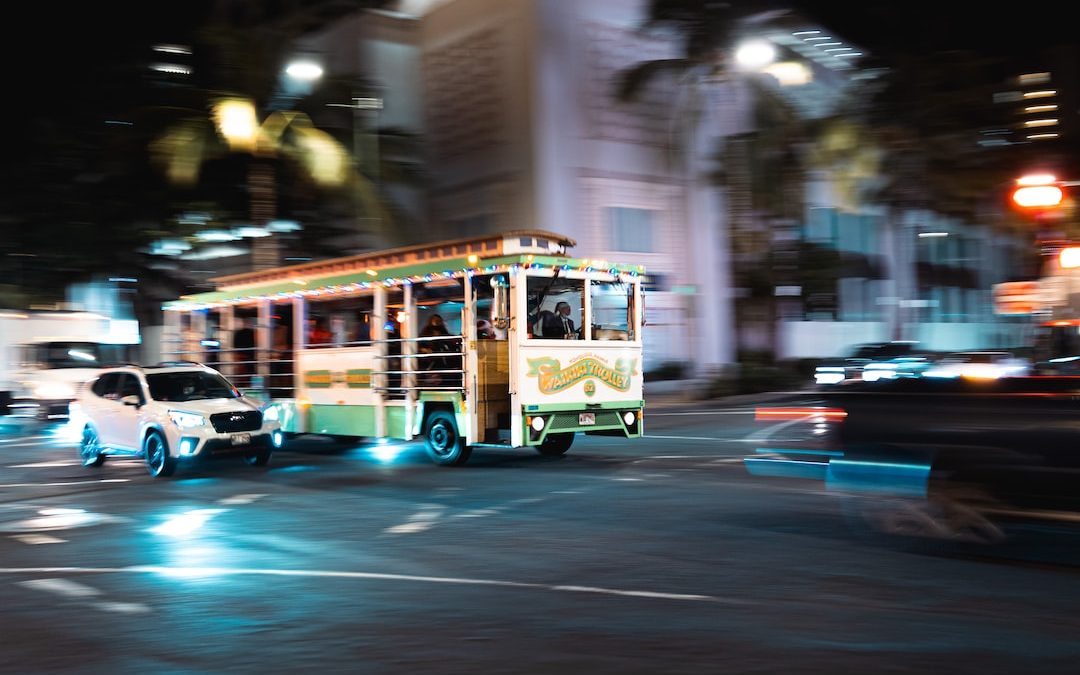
column 631, row 229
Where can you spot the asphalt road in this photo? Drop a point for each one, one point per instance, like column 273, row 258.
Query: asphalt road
column 656, row 556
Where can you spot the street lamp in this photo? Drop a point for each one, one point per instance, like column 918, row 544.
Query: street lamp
column 755, row 54
column 304, row 71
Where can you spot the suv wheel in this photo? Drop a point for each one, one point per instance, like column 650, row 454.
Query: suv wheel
column 158, row 461
column 90, row 448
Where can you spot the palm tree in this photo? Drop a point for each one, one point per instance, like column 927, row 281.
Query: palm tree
column 761, row 170
column 244, row 54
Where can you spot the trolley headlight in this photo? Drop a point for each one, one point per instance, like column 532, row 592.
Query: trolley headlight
column 537, row 424
column 629, row 417
column 186, row 420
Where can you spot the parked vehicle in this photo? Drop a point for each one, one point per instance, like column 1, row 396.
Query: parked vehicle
column 171, row 414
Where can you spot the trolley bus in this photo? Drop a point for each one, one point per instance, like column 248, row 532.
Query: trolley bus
column 529, row 348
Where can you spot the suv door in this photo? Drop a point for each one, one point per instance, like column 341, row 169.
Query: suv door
column 101, row 407
column 125, row 425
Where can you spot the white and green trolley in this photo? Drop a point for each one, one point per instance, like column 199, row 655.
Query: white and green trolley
column 537, row 346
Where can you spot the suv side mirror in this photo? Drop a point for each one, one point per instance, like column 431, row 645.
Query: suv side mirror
column 131, row 400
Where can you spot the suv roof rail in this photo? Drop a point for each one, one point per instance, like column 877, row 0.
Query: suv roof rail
column 121, row 364
column 173, row 364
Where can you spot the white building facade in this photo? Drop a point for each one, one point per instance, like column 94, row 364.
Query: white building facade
column 516, row 101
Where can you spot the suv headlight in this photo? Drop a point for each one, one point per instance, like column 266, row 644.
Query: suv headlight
column 186, row 420
column 271, row 414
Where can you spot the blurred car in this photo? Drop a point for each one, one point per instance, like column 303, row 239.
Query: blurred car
column 984, row 365
column 872, row 361
column 171, row 413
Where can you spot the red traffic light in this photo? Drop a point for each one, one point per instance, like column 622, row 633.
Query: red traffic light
column 1037, row 196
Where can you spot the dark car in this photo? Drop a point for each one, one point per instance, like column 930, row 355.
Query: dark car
column 885, row 360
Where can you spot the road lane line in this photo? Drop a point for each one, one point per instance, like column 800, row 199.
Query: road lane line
column 35, row 539
column 64, row 587
column 24, row 439
column 712, row 439
column 196, row 572
column 241, row 499
column 122, row 607
column 43, row 465
column 634, row 594
column 74, row 482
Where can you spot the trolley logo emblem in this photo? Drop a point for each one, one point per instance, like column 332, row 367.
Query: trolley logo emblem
column 553, row 378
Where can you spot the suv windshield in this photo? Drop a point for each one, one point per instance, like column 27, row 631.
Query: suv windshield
column 189, row 386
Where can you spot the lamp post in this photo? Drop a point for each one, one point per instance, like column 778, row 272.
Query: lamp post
column 237, row 120
column 359, row 105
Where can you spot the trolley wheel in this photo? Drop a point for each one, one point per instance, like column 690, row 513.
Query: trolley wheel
column 444, row 444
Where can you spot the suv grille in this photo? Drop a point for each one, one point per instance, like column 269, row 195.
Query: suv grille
column 250, row 420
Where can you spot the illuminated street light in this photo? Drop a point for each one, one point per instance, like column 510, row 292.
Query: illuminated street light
column 305, row 71
column 237, row 123
column 1069, row 258
column 1037, row 179
column 1039, row 190
column 755, row 54
column 1035, row 196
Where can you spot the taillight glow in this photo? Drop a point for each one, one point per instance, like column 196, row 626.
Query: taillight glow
column 805, row 414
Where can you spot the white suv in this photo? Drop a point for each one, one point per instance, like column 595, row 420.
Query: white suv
column 170, row 413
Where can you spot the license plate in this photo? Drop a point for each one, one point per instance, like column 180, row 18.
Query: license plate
column 241, row 439
column 586, row 419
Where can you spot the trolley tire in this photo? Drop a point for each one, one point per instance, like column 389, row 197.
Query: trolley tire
column 556, row 445
column 445, row 446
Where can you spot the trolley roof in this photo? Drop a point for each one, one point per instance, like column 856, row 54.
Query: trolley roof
column 419, row 263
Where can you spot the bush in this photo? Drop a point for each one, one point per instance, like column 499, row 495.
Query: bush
column 668, row 370
column 757, row 372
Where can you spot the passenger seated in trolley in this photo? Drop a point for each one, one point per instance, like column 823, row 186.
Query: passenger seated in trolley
column 432, row 365
column 558, row 325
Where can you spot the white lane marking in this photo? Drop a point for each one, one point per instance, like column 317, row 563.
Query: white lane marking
column 64, row 587
column 633, row 594
column 194, row 572
column 35, row 539
column 43, row 465
column 74, row 482
column 422, row 520
column 478, row 513
column 410, row 528
column 24, row 439
column 122, row 607
column 629, row 480
column 699, row 412
column 241, row 499
column 763, row 434
column 567, row 492
column 689, row 438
